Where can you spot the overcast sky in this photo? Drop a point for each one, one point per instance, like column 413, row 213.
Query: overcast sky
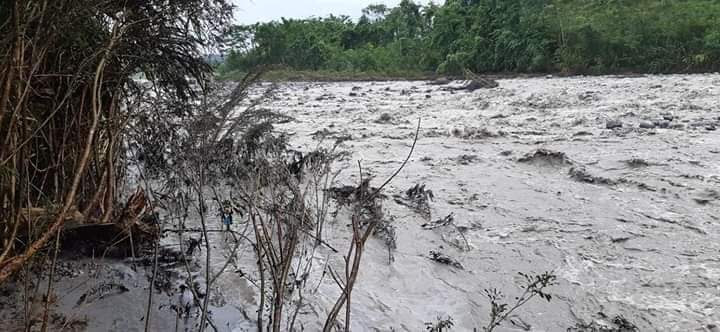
column 252, row 11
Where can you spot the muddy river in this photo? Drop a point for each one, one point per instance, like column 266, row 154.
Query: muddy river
column 613, row 183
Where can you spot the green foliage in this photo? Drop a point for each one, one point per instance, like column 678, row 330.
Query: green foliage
column 576, row 36
column 645, row 35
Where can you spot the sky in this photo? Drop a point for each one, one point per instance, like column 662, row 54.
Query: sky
column 252, row 11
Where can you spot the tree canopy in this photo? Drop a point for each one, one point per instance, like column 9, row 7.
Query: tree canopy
column 578, row 36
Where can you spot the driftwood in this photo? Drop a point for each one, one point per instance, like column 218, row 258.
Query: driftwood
column 475, row 82
column 85, row 234
column 73, row 216
column 132, row 216
column 480, row 83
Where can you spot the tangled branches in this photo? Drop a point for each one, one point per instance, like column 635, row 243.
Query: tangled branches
column 535, row 286
column 68, row 79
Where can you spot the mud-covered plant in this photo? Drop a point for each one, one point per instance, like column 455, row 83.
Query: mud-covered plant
column 444, row 259
column 386, row 231
column 624, row 325
column 368, row 203
column 449, row 220
column 188, row 149
column 284, row 195
column 616, row 324
column 418, row 193
column 318, row 165
column 238, row 156
column 440, row 325
column 417, row 198
column 535, row 285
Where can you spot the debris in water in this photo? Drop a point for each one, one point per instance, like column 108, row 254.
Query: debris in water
column 444, row 259
column 346, row 194
column 440, row 325
column 517, row 321
column 579, row 173
column 475, row 133
column 604, row 324
column 386, row 231
column 612, row 124
column 582, row 133
column 326, row 133
column 323, row 133
column 662, row 124
column 647, row 125
column 544, row 157
column 637, row 162
column 440, row 222
column 193, row 244
column 384, row 118
column 707, row 196
column 480, row 83
column 100, row 292
column 467, row 159
column 417, row 198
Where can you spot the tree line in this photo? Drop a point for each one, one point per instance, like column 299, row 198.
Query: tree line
column 491, row 36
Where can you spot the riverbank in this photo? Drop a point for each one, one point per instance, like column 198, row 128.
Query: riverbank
column 289, row 75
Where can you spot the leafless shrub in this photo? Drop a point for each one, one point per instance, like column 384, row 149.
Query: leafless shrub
column 220, row 154
column 440, row 325
column 615, row 324
column 449, row 221
column 417, row 198
column 367, row 214
column 535, row 286
column 446, row 221
column 386, row 231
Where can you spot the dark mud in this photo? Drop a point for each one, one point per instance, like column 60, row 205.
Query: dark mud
column 110, row 293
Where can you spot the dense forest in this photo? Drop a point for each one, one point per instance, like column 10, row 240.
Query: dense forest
column 491, row 36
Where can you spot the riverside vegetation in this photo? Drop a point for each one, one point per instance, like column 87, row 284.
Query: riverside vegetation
column 487, row 36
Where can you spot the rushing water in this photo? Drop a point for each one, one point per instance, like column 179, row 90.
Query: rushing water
column 632, row 230
column 627, row 218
